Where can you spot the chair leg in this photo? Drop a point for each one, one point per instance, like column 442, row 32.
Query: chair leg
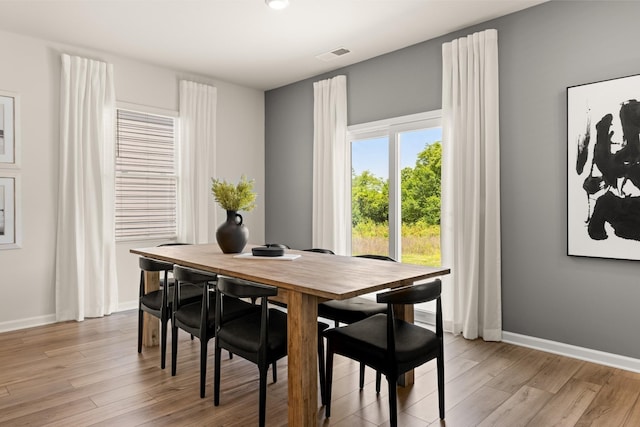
column 216, row 373
column 361, row 375
column 163, row 344
column 274, row 368
column 203, row 365
column 378, row 381
column 329, row 380
column 263, row 396
column 440, row 367
column 140, row 323
column 393, row 402
column 174, row 349
column 322, row 372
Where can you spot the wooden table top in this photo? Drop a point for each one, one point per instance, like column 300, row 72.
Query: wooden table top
column 321, row 275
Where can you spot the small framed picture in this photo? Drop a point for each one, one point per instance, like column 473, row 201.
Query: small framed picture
column 10, row 227
column 9, row 133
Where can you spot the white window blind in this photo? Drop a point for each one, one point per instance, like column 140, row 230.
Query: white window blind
column 145, row 175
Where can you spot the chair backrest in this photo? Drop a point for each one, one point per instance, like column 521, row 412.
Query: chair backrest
column 410, row 295
column 152, row 265
column 413, row 294
column 148, row 264
column 189, row 275
column 239, row 288
column 185, row 276
column 380, row 257
column 320, row 251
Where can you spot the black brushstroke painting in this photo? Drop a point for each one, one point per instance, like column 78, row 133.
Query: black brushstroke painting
column 614, row 178
column 583, row 149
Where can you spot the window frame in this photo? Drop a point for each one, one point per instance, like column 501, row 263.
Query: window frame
column 145, row 109
column 391, row 129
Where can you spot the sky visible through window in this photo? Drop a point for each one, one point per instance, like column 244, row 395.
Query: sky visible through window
column 373, row 154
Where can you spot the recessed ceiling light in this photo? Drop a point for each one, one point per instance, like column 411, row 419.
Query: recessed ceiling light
column 277, row 4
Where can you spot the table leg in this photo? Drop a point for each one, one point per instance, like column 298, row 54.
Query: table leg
column 303, row 359
column 405, row 312
column 151, row 326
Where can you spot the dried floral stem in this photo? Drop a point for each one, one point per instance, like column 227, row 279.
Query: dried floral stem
column 240, row 197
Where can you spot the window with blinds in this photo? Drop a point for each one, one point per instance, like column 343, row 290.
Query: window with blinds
column 145, row 175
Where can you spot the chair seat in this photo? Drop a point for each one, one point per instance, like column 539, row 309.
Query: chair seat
column 244, row 332
column 153, row 299
column 368, row 340
column 350, row 310
column 190, row 314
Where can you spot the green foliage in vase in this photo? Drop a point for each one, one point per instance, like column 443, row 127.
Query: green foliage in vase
column 240, row 197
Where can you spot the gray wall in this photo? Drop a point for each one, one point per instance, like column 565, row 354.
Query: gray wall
column 591, row 303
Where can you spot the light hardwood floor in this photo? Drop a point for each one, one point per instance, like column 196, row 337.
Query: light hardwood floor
column 89, row 373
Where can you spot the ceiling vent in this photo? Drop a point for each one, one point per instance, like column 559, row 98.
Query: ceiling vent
column 336, row 53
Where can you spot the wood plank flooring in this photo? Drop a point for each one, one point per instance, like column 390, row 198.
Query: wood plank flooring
column 90, row 374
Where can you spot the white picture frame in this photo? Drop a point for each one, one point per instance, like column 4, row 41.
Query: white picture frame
column 10, row 211
column 9, row 130
column 603, row 174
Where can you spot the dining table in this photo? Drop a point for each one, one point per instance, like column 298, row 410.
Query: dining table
column 303, row 279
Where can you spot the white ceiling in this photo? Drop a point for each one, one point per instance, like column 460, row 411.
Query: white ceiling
column 243, row 41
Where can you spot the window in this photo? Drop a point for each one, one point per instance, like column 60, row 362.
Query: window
column 395, row 186
column 146, row 177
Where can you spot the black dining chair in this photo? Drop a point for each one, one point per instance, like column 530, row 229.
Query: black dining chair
column 352, row 310
column 158, row 303
column 389, row 345
column 259, row 337
column 198, row 318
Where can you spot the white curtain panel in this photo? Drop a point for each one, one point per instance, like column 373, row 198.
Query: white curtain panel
column 471, row 187
column 197, row 142
column 86, row 282
column 331, row 171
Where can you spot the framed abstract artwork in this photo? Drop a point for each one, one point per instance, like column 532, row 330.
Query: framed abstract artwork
column 9, row 132
column 10, row 227
column 603, row 169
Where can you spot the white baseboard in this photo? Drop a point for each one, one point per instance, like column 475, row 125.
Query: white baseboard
column 31, row 322
column 581, row 353
column 129, row 305
column 14, row 325
column 423, row 316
